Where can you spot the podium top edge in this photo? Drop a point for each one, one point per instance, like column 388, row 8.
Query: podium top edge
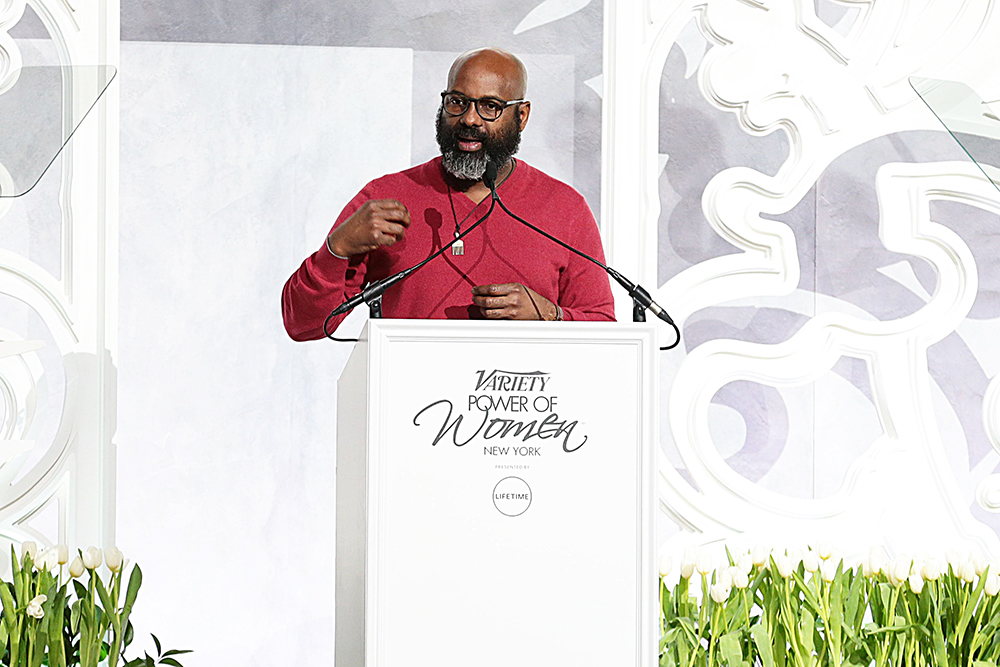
column 511, row 330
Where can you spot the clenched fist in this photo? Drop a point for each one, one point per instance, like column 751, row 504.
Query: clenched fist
column 513, row 301
column 379, row 222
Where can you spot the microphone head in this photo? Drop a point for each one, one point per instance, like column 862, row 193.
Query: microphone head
column 490, row 177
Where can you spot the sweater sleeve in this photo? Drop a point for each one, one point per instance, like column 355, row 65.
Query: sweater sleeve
column 321, row 284
column 584, row 290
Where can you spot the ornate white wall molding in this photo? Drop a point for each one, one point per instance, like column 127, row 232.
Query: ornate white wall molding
column 775, row 66
column 57, row 456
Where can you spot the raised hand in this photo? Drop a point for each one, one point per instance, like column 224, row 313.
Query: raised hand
column 379, row 222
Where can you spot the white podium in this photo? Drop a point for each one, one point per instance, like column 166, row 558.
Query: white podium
column 496, row 496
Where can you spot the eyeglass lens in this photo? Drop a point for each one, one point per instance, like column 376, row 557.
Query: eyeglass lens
column 457, row 105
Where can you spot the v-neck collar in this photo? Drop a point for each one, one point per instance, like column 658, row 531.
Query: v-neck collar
column 460, row 199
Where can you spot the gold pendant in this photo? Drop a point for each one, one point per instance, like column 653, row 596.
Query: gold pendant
column 458, row 248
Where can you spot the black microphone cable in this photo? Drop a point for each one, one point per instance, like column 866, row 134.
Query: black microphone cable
column 376, row 289
column 637, row 292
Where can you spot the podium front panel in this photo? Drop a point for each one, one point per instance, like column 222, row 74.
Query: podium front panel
column 509, row 494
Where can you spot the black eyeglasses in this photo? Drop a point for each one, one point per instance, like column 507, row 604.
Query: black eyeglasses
column 488, row 108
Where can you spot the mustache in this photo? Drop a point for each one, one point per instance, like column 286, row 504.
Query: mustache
column 471, row 135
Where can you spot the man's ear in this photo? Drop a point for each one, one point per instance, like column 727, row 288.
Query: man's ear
column 523, row 111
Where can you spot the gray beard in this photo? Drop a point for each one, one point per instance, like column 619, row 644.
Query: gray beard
column 464, row 166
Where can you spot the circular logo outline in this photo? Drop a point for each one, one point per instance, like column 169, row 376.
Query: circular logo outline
column 531, row 496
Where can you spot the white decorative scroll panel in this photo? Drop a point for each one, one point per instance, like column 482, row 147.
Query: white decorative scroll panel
column 774, row 67
column 58, row 319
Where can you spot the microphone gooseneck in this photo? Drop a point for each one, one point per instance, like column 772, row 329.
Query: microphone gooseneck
column 376, row 289
column 638, row 293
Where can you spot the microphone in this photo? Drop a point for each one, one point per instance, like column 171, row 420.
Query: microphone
column 638, row 293
column 490, row 177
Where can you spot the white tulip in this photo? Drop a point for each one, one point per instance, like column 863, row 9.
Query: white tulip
column 719, row 593
column 35, row 606
column 900, row 571
column 687, row 569
column 784, row 565
column 916, row 582
column 63, row 552
column 967, row 572
column 932, row 570
column 979, row 562
column 741, row 579
column 49, row 560
column 795, row 555
column 29, row 548
column 992, row 584
column 76, row 567
column 92, row 558
column 828, row 570
column 113, row 557
column 916, row 567
column 745, row 563
column 825, row 550
column 759, row 555
column 810, row 562
column 703, row 564
column 724, row 578
column 954, row 558
column 876, row 560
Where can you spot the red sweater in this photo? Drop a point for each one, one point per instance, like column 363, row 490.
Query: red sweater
column 501, row 250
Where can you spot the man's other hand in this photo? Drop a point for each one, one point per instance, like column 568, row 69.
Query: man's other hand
column 512, row 301
column 379, row 222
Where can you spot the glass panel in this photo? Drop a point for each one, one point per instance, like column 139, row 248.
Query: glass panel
column 973, row 123
column 39, row 114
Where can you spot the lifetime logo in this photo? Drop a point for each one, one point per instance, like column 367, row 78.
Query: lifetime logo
column 512, row 496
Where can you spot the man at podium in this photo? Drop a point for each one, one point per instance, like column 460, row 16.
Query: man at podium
column 502, row 269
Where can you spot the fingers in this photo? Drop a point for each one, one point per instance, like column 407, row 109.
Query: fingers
column 390, row 209
column 499, row 301
column 499, row 289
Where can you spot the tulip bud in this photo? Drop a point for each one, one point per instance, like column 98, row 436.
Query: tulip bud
column 113, row 557
column 759, row 555
column 992, row 586
column 954, row 558
column 745, row 563
column 967, row 572
column 828, row 570
column 825, row 550
column 29, row 548
column 916, row 583
column 932, row 570
column 724, row 578
column 795, row 555
column 741, row 579
column 979, row 562
column 703, row 564
column 92, row 558
column 876, row 560
column 63, row 553
column 810, row 562
column 900, row 571
column 784, row 565
column 76, row 567
column 687, row 569
column 35, row 606
column 48, row 560
column 719, row 593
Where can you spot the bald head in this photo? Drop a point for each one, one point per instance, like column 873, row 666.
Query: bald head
column 504, row 68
